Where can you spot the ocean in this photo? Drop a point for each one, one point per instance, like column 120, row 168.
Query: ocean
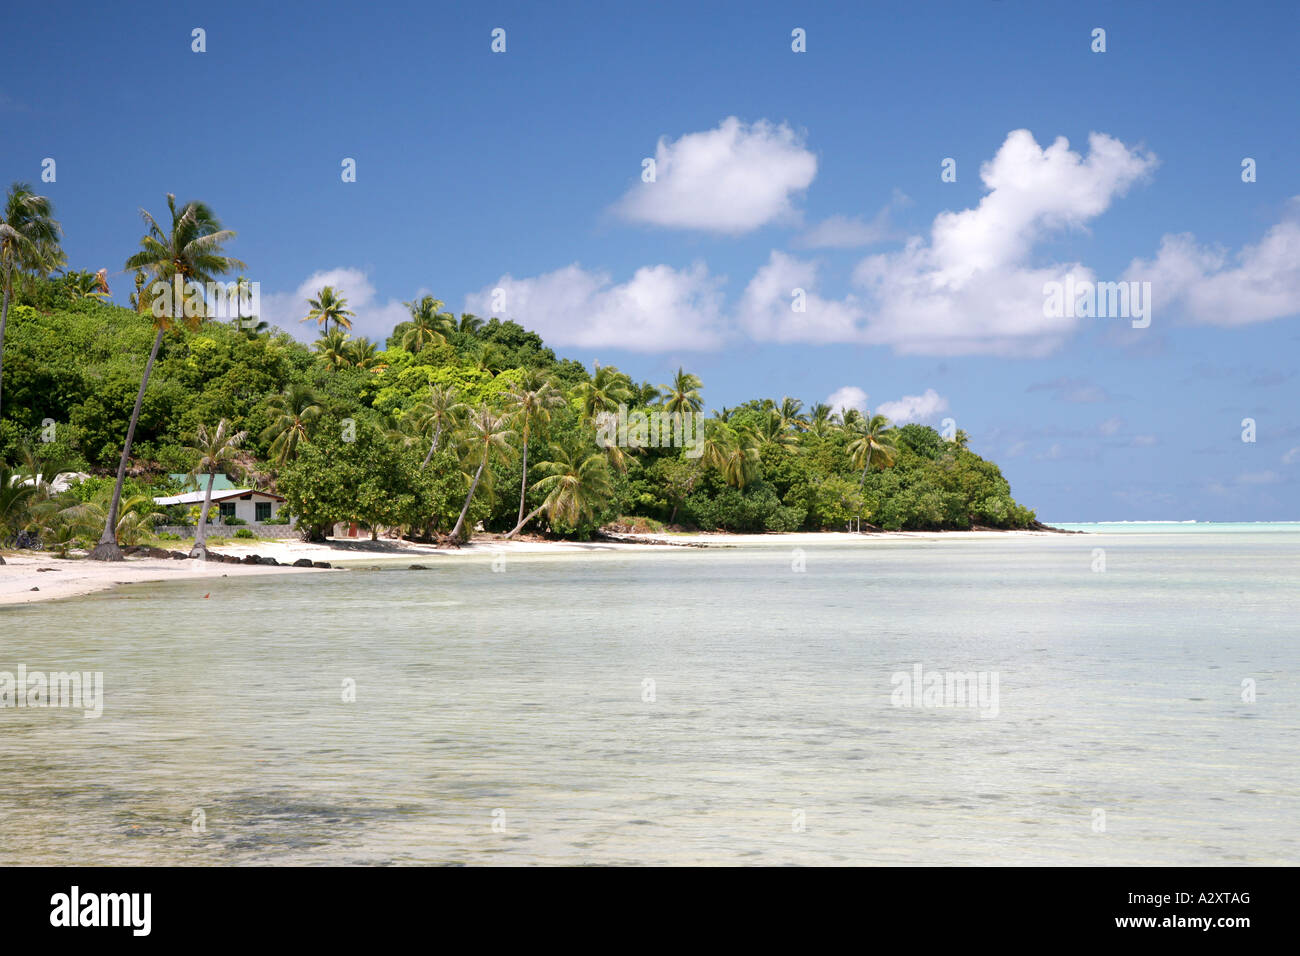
column 1122, row 697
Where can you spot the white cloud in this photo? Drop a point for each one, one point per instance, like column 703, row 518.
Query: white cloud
column 732, row 179
column 373, row 318
column 766, row 309
column 850, row 396
column 844, row 232
column 970, row 289
column 1292, row 456
column 1263, row 284
column 659, row 309
column 914, row 408
column 1111, row 426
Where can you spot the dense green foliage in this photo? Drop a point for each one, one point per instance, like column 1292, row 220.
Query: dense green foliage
column 361, row 428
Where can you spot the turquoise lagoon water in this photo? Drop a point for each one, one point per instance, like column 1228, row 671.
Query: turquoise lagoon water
column 507, row 716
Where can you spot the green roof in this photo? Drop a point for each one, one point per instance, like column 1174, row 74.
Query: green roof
column 220, row 483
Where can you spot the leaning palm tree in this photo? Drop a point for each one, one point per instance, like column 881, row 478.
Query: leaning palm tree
column 429, row 324
column 329, row 307
column 29, row 237
column 489, row 437
column 683, row 395
column 868, row 440
column 575, row 489
column 439, row 412
column 293, row 413
column 190, row 251
column 213, row 449
column 533, row 399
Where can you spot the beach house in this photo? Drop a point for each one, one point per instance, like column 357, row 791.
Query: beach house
column 248, row 505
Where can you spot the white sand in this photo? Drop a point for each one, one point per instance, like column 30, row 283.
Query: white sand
column 74, row 576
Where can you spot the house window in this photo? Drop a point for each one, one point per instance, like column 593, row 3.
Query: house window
column 227, row 510
column 263, row 512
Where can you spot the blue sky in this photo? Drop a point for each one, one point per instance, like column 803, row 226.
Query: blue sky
column 775, row 170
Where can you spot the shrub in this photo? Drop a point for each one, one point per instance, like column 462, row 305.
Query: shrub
column 245, row 533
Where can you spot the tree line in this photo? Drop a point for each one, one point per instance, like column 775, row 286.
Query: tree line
column 451, row 423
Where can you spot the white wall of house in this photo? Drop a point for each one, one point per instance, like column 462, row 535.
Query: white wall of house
column 246, row 510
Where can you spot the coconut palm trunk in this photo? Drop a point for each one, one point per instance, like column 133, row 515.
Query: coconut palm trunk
column 107, row 549
column 523, row 521
column 433, row 447
column 863, row 483
column 457, row 531
column 200, row 549
column 523, row 484
column 4, row 319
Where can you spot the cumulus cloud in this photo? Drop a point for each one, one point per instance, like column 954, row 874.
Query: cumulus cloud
column 970, row 288
column 1259, row 283
column 850, row 396
column 845, row 232
column 659, row 309
column 732, row 179
column 374, row 318
column 914, row 408
column 767, row 308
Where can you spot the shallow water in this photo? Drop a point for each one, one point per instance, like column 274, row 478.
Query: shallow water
column 516, row 698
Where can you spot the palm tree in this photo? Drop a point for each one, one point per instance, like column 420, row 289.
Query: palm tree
column 533, row 398
column 574, row 489
column 868, row 440
column 488, row 357
column 65, row 517
column 489, row 438
column 429, row 324
column 793, row 418
column 683, row 395
column 363, row 354
column 607, row 389
column 819, row 420
column 773, row 431
column 189, row 252
column 29, row 237
column 213, row 449
column 327, row 307
column 87, row 285
column 17, row 498
column 333, row 349
column 469, row 324
column 441, row 411
column 294, row 412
